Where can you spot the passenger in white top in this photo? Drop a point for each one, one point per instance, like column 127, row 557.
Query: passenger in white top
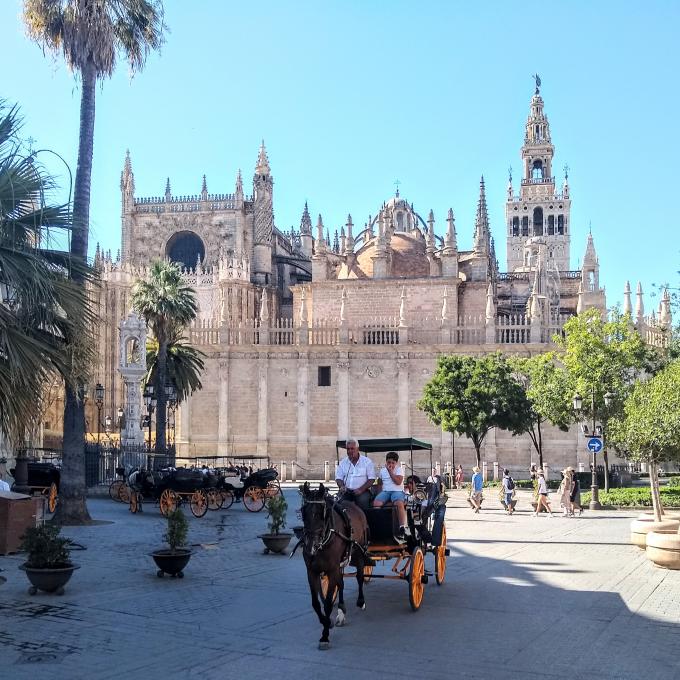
column 392, row 483
column 356, row 474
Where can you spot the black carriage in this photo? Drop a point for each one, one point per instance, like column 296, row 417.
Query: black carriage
column 170, row 488
column 425, row 511
column 44, row 478
column 254, row 488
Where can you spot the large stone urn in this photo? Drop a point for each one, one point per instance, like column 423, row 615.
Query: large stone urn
column 639, row 528
column 663, row 548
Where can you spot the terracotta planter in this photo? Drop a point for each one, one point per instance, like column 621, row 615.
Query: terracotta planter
column 663, row 548
column 275, row 543
column 48, row 580
column 639, row 528
column 171, row 563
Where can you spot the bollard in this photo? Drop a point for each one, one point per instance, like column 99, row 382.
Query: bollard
column 495, row 471
column 546, row 472
column 438, row 468
column 580, row 467
column 484, row 471
column 292, row 471
column 326, row 471
column 283, row 472
column 643, row 467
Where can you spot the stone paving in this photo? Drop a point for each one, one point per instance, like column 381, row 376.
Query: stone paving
column 524, row 597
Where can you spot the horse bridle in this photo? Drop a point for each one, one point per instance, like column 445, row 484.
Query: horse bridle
column 328, row 526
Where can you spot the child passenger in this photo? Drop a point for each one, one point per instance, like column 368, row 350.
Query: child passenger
column 391, row 480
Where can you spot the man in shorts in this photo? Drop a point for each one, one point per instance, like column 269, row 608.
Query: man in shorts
column 476, row 489
column 391, row 479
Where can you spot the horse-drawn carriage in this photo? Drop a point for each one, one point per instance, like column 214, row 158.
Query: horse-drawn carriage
column 170, row 488
column 44, row 478
column 335, row 535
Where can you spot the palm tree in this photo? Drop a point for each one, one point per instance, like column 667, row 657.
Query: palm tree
column 90, row 35
column 184, row 364
column 40, row 306
column 167, row 304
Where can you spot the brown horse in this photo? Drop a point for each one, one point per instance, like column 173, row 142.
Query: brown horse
column 335, row 533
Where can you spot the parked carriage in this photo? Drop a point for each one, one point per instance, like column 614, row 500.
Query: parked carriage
column 170, row 488
column 44, row 478
column 425, row 510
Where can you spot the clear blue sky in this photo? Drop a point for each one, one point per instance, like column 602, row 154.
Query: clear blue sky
column 350, row 96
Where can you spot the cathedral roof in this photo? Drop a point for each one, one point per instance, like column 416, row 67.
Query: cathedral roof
column 407, row 255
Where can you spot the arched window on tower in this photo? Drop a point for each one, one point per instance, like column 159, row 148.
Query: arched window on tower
column 560, row 225
column 515, row 226
column 400, row 221
column 525, row 226
column 551, row 225
column 538, row 221
column 538, row 133
column 537, row 169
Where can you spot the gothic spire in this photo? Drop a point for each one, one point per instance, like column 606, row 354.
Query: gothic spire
column 627, row 304
column 127, row 177
column 262, row 167
column 590, row 257
column 204, row 187
column 450, row 238
column 320, row 245
column 306, row 221
column 481, row 244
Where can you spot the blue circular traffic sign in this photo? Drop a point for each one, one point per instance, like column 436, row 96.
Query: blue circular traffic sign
column 594, row 444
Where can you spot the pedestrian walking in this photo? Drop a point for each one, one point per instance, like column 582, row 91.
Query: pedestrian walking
column 459, row 477
column 508, row 492
column 575, row 497
column 542, row 500
column 476, row 486
column 564, row 492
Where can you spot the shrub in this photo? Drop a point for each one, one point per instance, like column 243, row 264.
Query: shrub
column 178, row 529
column 642, row 496
column 674, row 482
column 45, row 548
column 276, row 513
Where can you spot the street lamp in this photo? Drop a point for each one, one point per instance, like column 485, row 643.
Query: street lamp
column 150, row 401
column 108, row 421
column 99, row 400
column 596, row 432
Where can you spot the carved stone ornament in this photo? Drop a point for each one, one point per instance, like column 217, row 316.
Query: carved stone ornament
column 343, row 365
column 373, row 371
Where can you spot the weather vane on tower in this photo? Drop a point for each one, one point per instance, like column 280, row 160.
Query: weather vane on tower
column 537, row 78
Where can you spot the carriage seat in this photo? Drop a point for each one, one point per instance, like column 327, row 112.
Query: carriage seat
column 383, row 523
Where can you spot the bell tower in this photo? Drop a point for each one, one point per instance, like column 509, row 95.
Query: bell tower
column 539, row 210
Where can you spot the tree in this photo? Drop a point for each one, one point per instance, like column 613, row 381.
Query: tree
column 38, row 298
column 603, row 356
column 167, row 304
column 471, row 395
column 184, row 364
column 545, row 384
column 90, row 35
column 648, row 428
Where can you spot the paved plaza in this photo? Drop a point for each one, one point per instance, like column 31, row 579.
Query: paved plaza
column 524, row 597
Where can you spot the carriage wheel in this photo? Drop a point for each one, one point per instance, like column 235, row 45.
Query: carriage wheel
column 415, row 579
column 198, row 503
column 215, row 499
column 227, row 499
column 114, row 490
column 52, row 497
column 273, row 488
column 440, row 560
column 368, row 573
column 167, row 502
column 124, row 493
column 253, row 499
column 324, row 588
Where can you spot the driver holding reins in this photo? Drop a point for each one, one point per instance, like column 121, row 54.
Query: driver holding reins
column 355, row 474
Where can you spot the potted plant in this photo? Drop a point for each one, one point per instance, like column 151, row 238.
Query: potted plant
column 48, row 565
column 275, row 540
column 173, row 560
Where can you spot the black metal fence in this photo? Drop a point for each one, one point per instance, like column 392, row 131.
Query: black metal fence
column 101, row 462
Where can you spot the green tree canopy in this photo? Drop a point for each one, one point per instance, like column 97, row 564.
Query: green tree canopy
column 648, row 428
column 470, row 395
column 546, row 387
column 168, row 305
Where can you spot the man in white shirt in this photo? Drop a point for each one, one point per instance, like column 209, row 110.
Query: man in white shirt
column 356, row 473
column 392, row 489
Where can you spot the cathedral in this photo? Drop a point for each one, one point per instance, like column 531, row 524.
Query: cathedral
column 309, row 340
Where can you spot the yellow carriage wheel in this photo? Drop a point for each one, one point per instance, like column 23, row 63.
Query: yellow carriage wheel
column 227, row 498
column 167, row 502
column 368, row 573
column 52, row 497
column 215, row 499
column 253, row 499
column 415, row 579
column 324, row 588
column 198, row 503
column 440, row 560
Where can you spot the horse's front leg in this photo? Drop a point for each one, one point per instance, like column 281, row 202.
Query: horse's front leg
column 315, row 590
column 341, row 617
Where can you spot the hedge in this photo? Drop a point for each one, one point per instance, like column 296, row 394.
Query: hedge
column 670, row 497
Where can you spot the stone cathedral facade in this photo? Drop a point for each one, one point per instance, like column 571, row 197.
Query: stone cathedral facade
column 309, row 339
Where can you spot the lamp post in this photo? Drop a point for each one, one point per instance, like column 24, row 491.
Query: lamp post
column 596, row 432
column 99, row 401
column 171, row 404
column 149, row 400
column 119, row 420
